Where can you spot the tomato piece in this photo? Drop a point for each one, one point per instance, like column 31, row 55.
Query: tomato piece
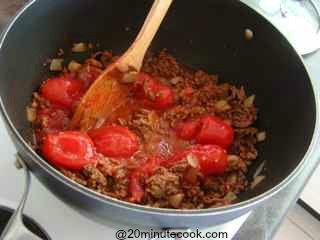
column 69, row 149
column 63, row 91
column 89, row 74
column 136, row 189
column 215, row 131
column 191, row 175
column 211, row 159
column 206, row 130
column 188, row 130
column 153, row 94
column 53, row 119
column 149, row 167
column 115, row 141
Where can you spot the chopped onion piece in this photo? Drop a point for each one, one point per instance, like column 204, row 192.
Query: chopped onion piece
column 176, row 80
column 232, row 178
column 129, row 77
column 233, row 160
column 99, row 122
column 192, row 160
column 122, row 122
column 56, row 64
column 230, row 196
column 74, row 66
column 31, row 114
column 259, row 169
column 256, row 181
column 60, row 52
column 222, row 105
column 175, row 200
column 79, row 47
column 249, row 101
column 261, row 136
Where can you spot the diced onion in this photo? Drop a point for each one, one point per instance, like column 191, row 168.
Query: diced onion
column 99, row 122
column 232, row 178
column 176, row 80
column 230, row 196
column 74, row 66
column 60, row 52
column 261, row 136
column 31, row 114
column 256, row 181
column 175, row 200
column 233, row 160
column 222, row 105
column 259, row 169
column 129, row 77
column 79, row 47
column 56, row 64
column 192, row 160
column 249, row 101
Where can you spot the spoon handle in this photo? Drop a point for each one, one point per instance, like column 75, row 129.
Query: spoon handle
column 105, row 92
column 133, row 57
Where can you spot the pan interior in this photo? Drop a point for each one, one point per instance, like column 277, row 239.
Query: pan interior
column 209, row 35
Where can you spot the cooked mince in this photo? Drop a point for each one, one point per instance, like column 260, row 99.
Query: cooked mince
column 179, row 184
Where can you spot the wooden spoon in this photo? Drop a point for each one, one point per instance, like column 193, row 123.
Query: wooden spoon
column 106, row 94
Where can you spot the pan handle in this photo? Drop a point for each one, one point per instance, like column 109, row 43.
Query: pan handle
column 15, row 229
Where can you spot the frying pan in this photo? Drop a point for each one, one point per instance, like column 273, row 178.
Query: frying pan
column 206, row 34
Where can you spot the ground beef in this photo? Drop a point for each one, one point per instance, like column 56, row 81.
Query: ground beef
column 197, row 93
column 244, row 144
column 76, row 176
column 116, row 175
column 162, row 65
column 95, row 179
column 200, row 94
column 163, row 184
